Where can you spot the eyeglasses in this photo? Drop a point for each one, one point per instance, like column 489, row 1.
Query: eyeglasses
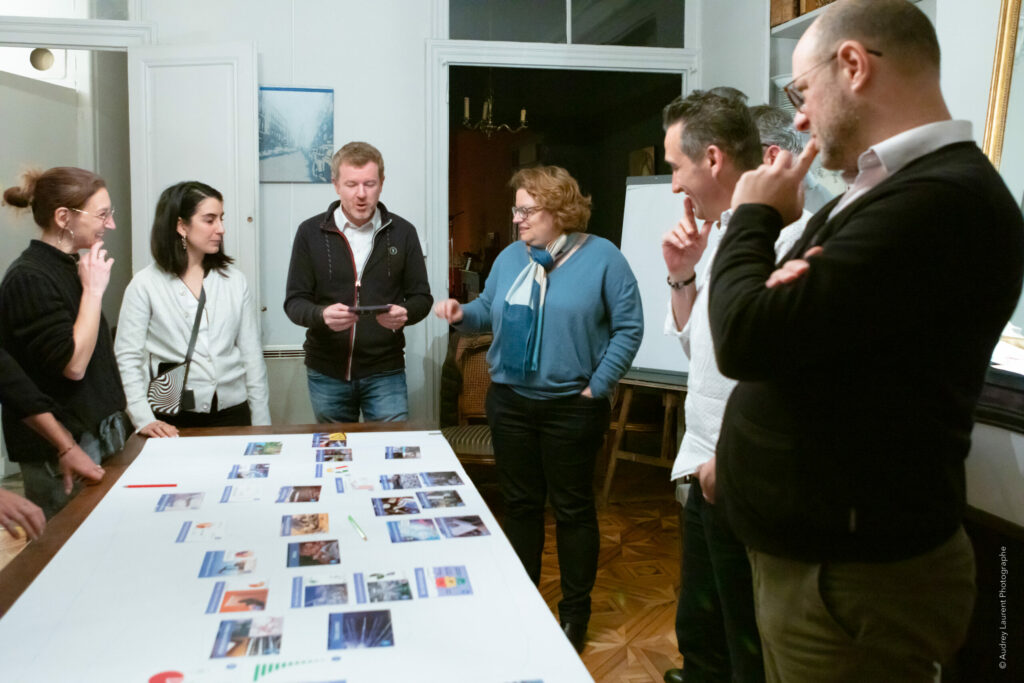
column 797, row 96
column 525, row 212
column 104, row 216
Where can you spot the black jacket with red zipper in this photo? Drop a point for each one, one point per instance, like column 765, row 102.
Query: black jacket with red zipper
column 322, row 272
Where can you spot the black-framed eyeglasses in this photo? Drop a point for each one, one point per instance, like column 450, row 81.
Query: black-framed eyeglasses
column 525, row 212
column 104, row 216
column 797, row 96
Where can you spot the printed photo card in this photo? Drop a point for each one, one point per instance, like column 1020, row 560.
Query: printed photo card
column 401, row 452
column 404, row 505
column 298, row 494
column 313, row 553
column 248, row 637
column 300, row 525
column 264, row 448
column 440, row 499
column 330, row 440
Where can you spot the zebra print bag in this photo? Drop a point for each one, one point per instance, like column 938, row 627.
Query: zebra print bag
column 168, row 392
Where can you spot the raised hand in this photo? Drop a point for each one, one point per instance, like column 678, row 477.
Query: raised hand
column 778, row 184
column 450, row 310
column 683, row 245
column 94, row 270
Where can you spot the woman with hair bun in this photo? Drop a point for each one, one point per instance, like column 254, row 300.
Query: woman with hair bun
column 52, row 323
column 227, row 377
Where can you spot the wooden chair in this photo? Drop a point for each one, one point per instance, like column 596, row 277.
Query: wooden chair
column 471, row 438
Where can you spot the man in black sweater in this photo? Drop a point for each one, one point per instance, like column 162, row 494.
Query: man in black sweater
column 860, row 360
column 357, row 277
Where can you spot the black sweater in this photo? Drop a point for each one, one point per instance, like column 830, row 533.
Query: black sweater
column 17, row 392
column 39, row 300
column 322, row 272
column 846, row 436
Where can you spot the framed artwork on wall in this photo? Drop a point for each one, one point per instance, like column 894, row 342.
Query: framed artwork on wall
column 296, row 134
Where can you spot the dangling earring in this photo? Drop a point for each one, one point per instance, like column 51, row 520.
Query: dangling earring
column 60, row 239
column 184, row 243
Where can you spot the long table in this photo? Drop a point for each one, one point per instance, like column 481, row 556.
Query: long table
column 268, row 554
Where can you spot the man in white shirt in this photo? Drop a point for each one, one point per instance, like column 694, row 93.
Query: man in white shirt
column 710, row 139
column 357, row 277
column 859, row 362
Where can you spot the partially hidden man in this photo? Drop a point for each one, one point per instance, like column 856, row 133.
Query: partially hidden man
column 357, row 278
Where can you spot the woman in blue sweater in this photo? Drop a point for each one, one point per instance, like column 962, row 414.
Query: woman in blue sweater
column 565, row 312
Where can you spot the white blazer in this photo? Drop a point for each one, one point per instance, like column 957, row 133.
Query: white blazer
column 155, row 325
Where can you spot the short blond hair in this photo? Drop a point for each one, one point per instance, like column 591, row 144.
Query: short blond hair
column 556, row 192
column 357, row 154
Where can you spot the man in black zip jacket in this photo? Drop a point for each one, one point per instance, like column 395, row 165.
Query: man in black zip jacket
column 356, row 278
column 860, row 359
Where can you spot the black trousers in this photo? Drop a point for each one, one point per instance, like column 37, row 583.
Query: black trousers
column 715, row 623
column 548, row 448
column 234, row 416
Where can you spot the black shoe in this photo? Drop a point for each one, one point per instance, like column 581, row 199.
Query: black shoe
column 674, row 676
column 576, row 633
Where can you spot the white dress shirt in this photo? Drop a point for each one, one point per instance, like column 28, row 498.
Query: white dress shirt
column 155, row 325
column 881, row 160
column 707, row 389
column 360, row 237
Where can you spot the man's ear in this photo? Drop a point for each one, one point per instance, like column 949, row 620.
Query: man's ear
column 715, row 158
column 770, row 153
column 854, row 63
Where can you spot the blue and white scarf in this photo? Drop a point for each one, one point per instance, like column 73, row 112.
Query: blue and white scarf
column 522, row 319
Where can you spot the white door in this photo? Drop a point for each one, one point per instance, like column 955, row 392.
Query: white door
column 192, row 112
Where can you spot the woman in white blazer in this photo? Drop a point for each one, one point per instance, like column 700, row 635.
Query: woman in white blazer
column 227, row 377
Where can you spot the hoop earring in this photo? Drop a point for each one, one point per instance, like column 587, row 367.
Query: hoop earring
column 60, row 240
column 184, row 243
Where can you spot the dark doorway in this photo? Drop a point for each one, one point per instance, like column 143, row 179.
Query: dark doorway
column 588, row 122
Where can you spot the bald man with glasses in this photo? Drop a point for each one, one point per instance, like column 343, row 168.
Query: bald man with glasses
column 859, row 361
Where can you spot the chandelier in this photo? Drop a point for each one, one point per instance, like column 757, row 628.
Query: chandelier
column 486, row 123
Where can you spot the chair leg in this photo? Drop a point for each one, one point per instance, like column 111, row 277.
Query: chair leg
column 620, row 430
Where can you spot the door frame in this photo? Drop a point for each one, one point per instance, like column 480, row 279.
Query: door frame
column 77, row 34
column 442, row 54
column 74, row 34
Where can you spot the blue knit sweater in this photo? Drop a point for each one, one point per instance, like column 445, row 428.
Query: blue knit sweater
column 593, row 321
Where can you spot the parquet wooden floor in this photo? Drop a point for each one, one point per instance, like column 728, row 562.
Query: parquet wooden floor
column 631, row 638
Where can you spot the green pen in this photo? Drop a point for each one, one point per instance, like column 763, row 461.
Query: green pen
column 358, row 528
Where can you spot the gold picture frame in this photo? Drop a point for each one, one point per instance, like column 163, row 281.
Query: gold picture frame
column 1002, row 75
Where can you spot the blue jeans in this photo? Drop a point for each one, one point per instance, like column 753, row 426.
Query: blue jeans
column 381, row 397
column 44, row 482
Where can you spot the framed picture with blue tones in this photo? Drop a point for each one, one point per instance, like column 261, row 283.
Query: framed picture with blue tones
column 296, row 135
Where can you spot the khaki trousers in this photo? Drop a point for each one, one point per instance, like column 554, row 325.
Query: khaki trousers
column 860, row 621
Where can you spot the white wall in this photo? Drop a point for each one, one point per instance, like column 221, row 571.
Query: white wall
column 109, row 121
column 44, row 117
column 733, row 40
column 967, row 37
column 41, row 121
column 372, row 55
